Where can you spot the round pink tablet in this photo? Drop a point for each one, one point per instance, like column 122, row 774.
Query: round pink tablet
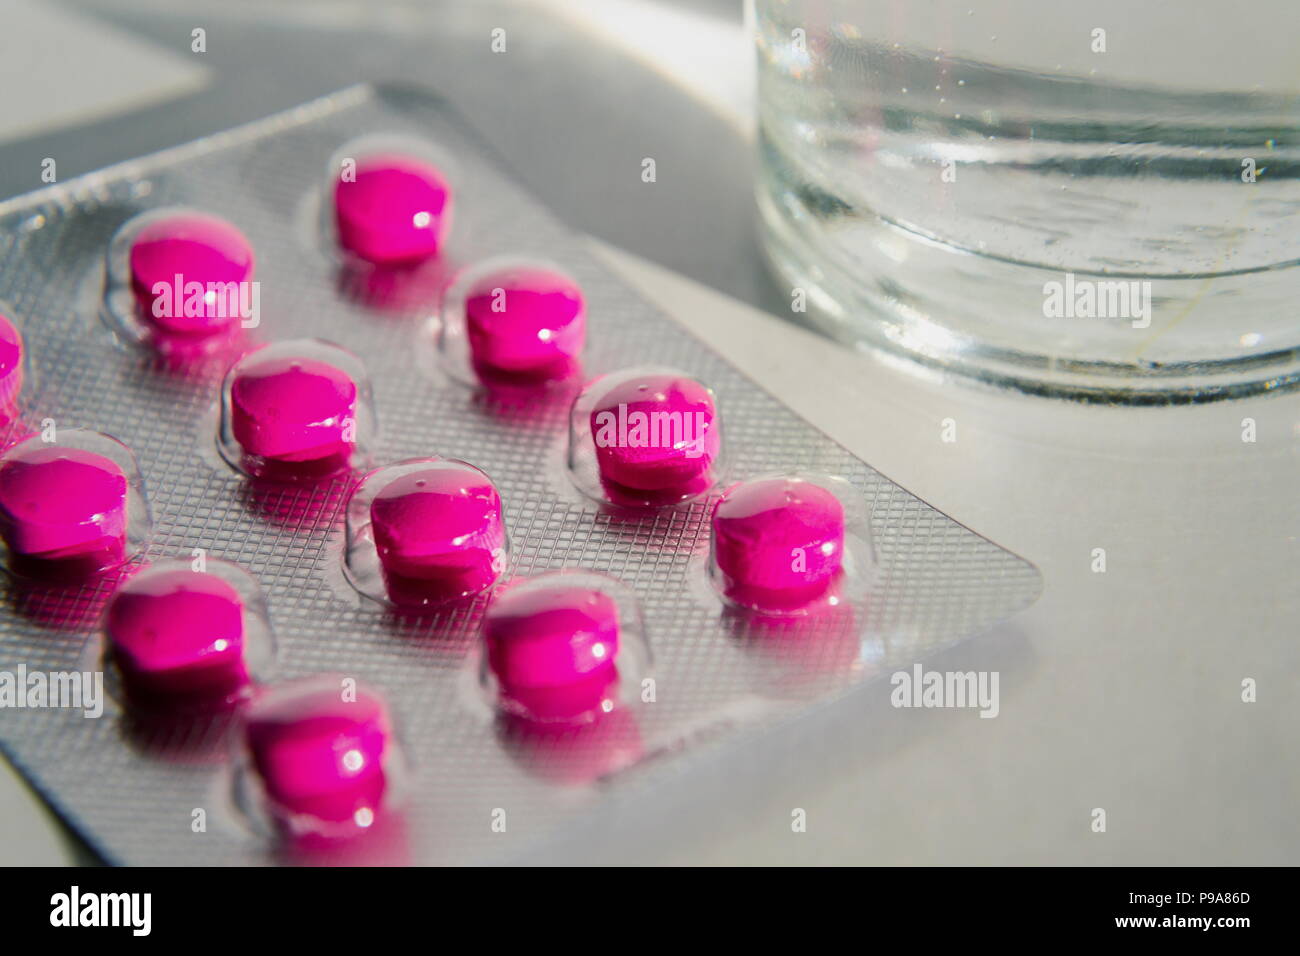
column 656, row 433
column 178, row 634
column 62, row 509
column 440, row 533
column 778, row 542
column 396, row 210
column 321, row 754
column 293, row 410
column 189, row 271
column 553, row 648
column 11, row 366
column 525, row 323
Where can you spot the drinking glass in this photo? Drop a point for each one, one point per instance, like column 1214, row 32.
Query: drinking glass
column 1099, row 200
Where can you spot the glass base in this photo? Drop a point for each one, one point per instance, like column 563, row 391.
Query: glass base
column 874, row 284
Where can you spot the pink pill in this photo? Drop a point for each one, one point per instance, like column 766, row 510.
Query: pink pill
column 778, row 542
column 178, row 634
column 11, row 367
column 440, row 533
column 553, row 649
column 397, row 209
column 525, row 324
column 656, row 433
column 321, row 755
column 189, row 272
column 62, row 509
column 293, row 410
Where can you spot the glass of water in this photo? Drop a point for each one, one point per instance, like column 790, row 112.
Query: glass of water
column 1099, row 200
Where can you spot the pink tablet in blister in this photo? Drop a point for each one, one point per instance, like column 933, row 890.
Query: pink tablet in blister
column 66, row 507
column 645, row 437
column 391, row 208
column 189, row 272
column 435, row 527
column 524, row 324
column 186, row 638
column 778, row 543
column 321, row 754
column 179, row 282
column 558, row 645
column 294, row 410
column 11, row 369
column 179, row 632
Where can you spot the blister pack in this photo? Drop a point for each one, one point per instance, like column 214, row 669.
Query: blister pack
column 448, row 530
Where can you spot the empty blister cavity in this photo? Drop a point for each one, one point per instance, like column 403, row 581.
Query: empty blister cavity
column 424, row 533
column 513, row 322
column 390, row 201
column 71, row 507
column 790, row 544
column 296, row 411
column 181, row 282
column 319, row 759
column 184, row 639
column 645, row 437
column 563, row 647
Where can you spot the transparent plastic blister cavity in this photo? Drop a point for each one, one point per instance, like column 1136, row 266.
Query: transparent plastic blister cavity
column 296, row 411
column 565, row 647
column 72, row 506
column 179, row 283
column 486, row 770
column 185, row 637
column 383, row 214
column 389, row 200
column 15, row 370
column 424, row 533
column 317, row 764
column 646, row 437
column 512, row 323
column 792, row 545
